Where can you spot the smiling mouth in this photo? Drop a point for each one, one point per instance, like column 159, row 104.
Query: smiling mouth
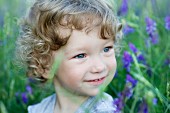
column 96, row 81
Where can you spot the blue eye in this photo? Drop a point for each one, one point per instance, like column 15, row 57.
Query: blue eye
column 107, row 49
column 80, row 56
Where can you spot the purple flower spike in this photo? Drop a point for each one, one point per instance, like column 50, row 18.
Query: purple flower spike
column 124, row 8
column 133, row 48
column 29, row 89
column 127, row 60
column 119, row 103
column 141, row 58
column 128, row 91
column 151, row 30
column 150, row 25
column 130, row 79
column 167, row 61
column 127, row 30
column 155, row 101
column 143, row 108
column 167, row 22
column 154, row 38
column 24, row 97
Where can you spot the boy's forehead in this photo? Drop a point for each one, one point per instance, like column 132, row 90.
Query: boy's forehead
column 66, row 31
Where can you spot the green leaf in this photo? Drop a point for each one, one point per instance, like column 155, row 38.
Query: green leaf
column 3, row 108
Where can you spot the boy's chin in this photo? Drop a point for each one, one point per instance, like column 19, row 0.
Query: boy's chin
column 91, row 93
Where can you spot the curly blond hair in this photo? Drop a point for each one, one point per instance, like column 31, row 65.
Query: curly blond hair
column 41, row 29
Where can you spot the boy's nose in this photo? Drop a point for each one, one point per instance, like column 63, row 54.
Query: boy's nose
column 98, row 65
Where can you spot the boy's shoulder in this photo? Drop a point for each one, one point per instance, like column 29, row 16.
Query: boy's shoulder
column 99, row 104
column 45, row 106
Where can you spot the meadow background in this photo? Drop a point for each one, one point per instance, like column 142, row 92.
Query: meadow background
column 142, row 80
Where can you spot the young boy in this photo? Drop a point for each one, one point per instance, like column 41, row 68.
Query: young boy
column 83, row 36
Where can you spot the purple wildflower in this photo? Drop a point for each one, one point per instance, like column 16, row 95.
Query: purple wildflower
column 151, row 30
column 139, row 55
column 31, row 80
column 127, row 60
column 133, row 48
column 143, row 107
column 123, row 8
column 141, row 58
column 128, row 91
column 155, row 100
column 145, row 110
column 167, row 22
column 127, row 30
column 130, row 84
column 130, row 79
column 167, row 61
column 150, row 25
column 119, row 103
column 29, row 89
column 24, row 97
column 154, row 38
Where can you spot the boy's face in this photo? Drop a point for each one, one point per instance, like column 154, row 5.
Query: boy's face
column 88, row 64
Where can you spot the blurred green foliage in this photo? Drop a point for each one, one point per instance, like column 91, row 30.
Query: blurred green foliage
column 15, row 95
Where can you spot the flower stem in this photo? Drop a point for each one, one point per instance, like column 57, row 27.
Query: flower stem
column 142, row 79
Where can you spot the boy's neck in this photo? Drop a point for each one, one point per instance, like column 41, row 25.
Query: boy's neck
column 67, row 101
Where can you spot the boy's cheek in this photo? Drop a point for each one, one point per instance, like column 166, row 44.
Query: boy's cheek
column 112, row 64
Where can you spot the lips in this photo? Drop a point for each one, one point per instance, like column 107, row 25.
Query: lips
column 96, row 81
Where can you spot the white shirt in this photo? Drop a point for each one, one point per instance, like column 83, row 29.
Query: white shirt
column 96, row 104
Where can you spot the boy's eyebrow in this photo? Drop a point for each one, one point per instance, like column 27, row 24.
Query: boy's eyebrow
column 80, row 48
column 70, row 50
